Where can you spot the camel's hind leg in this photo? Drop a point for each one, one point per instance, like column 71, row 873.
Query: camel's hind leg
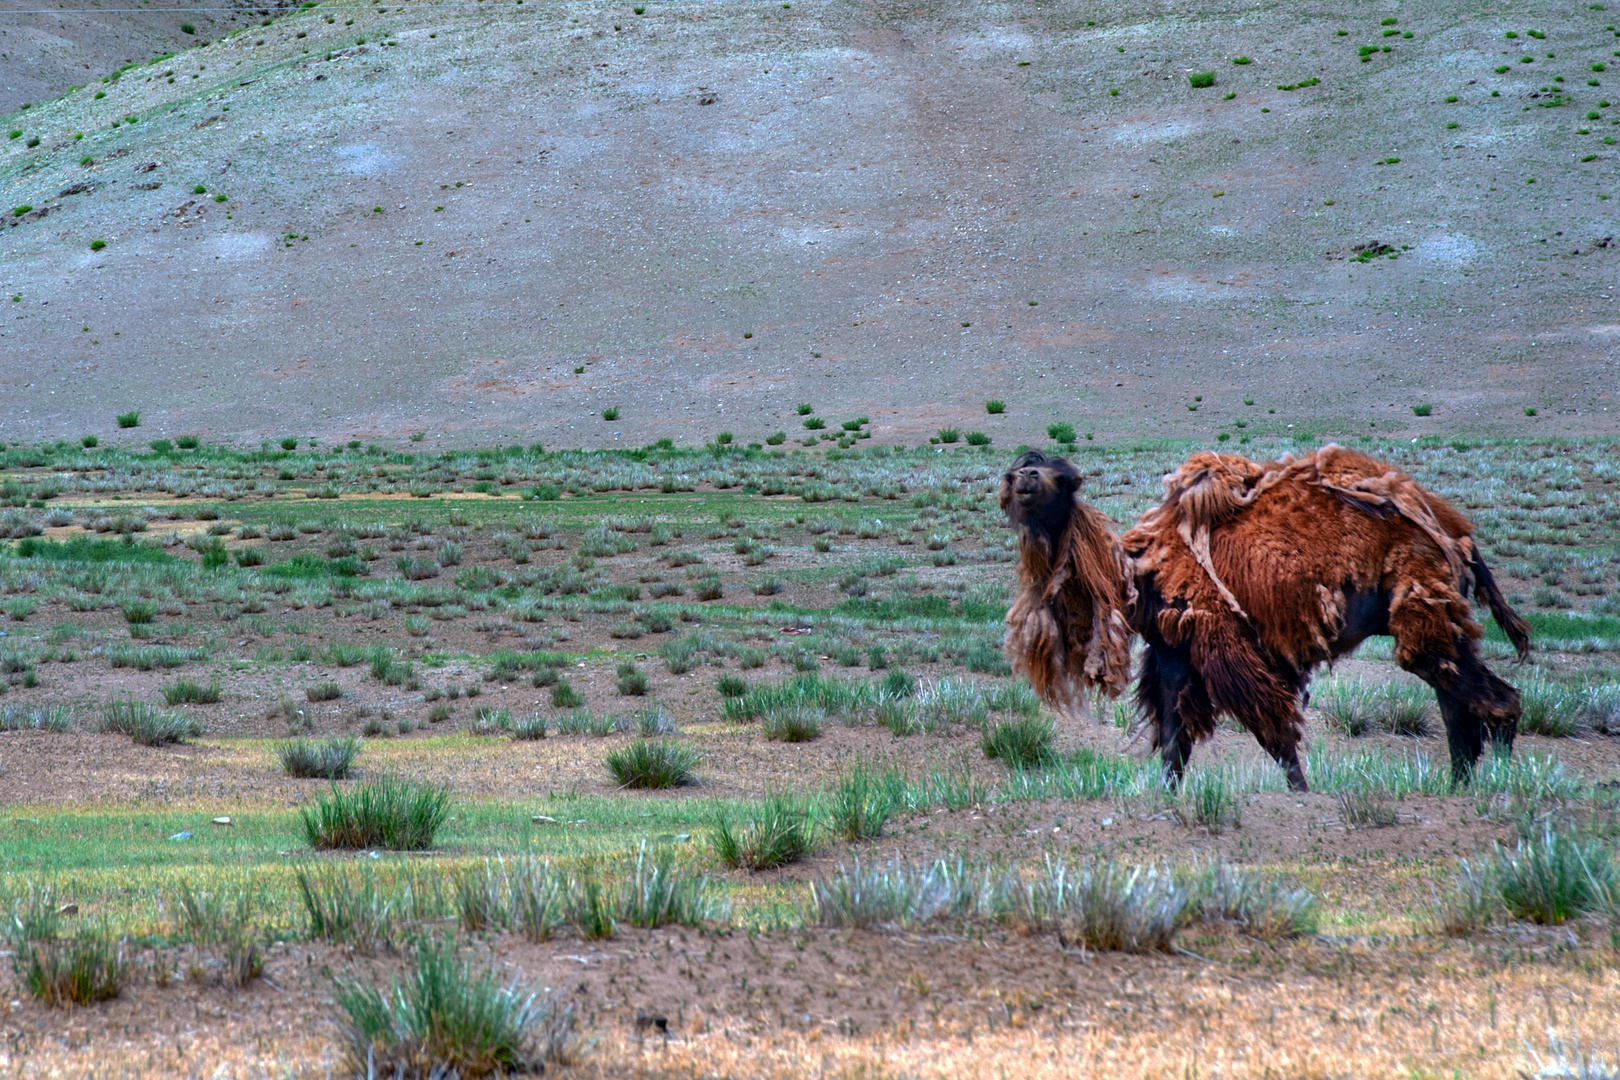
column 1165, row 682
column 1282, row 743
column 1474, row 703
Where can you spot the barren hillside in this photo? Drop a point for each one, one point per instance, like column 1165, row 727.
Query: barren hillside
column 493, row 220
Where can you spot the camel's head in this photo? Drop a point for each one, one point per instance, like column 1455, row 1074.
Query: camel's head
column 1037, row 493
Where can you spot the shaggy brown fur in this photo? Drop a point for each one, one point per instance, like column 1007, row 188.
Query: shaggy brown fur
column 1066, row 630
column 1250, row 575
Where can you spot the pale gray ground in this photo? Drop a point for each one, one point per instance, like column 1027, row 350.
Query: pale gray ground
column 864, row 180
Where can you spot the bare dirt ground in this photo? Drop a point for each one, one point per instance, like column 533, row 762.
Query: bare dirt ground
column 850, row 1003
column 718, row 212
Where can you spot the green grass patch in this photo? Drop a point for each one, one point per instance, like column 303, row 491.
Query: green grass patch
column 84, row 549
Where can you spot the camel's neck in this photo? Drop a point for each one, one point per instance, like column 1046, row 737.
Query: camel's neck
column 1041, row 538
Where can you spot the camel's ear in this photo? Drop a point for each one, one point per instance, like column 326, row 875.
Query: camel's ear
column 1066, row 477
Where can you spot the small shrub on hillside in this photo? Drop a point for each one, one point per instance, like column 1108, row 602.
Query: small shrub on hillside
column 731, row 685
column 1060, row 433
column 139, row 612
column 632, row 680
column 564, row 696
column 532, row 727
column 995, row 407
column 129, row 419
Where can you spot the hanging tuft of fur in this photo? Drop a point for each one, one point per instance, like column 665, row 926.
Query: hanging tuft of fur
column 1067, row 630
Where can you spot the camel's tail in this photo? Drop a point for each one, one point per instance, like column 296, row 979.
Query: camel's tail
column 1511, row 622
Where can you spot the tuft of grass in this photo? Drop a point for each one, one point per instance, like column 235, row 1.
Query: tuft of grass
column 1366, row 810
column 1201, row 80
column 1470, row 901
column 778, row 832
column 147, row 725
column 1108, row 906
column 89, row 967
column 995, row 407
column 653, row 764
column 532, row 727
column 950, row 435
column 58, row 718
column 867, row 896
column 129, row 419
column 444, row 1020
column 610, row 413
column 1024, row 741
column 1549, row 708
column 792, row 722
column 1210, row 798
column 323, row 691
column 139, row 612
column 731, row 686
column 978, row 438
column 1422, row 410
column 632, row 680
column 1061, row 433
column 862, row 800
column 1550, row 878
column 1266, row 907
column 186, row 692
column 658, row 891
column 326, row 759
column 564, row 696
column 386, row 813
